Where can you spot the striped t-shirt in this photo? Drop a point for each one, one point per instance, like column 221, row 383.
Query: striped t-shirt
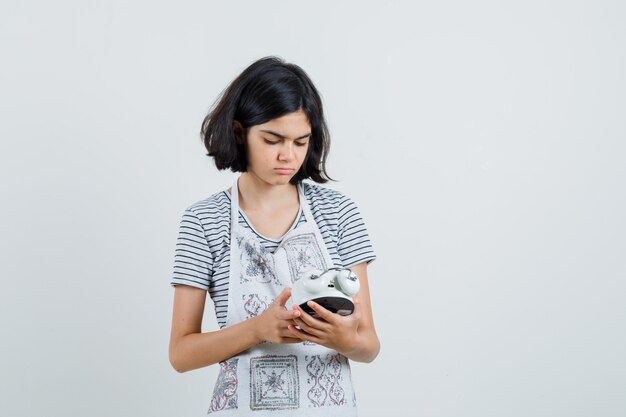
column 202, row 257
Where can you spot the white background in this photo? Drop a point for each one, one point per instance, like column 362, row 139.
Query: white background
column 483, row 142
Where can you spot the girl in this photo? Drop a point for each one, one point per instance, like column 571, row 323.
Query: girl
column 247, row 245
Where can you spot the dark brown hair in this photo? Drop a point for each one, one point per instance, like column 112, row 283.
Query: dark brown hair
column 267, row 89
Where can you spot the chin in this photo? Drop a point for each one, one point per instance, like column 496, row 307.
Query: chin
column 281, row 180
column 271, row 178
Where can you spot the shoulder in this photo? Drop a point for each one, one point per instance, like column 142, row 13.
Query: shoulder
column 212, row 212
column 219, row 201
column 339, row 218
column 331, row 206
column 328, row 200
column 318, row 194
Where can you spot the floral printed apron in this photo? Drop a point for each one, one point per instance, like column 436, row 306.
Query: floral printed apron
column 297, row 379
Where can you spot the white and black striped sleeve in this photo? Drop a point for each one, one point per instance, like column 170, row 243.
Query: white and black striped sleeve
column 193, row 261
column 353, row 242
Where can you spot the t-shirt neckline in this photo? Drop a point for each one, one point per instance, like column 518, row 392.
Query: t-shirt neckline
column 249, row 223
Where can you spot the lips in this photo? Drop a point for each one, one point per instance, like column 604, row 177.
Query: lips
column 284, row 171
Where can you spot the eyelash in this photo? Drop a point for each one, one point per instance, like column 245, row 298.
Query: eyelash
column 269, row 142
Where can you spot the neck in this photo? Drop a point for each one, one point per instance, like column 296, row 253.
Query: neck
column 254, row 192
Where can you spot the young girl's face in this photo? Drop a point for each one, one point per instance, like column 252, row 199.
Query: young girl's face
column 276, row 149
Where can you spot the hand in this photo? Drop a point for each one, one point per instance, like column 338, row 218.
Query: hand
column 330, row 330
column 272, row 324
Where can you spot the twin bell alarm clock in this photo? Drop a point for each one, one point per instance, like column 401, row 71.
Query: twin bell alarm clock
column 333, row 289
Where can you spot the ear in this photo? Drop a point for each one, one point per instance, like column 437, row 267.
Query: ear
column 240, row 132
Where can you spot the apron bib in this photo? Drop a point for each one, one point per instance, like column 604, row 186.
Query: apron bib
column 298, row 379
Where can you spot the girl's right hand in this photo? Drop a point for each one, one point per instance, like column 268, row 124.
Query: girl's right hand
column 272, row 325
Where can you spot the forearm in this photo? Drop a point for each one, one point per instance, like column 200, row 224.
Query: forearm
column 366, row 347
column 197, row 350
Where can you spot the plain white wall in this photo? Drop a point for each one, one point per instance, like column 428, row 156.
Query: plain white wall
column 483, row 142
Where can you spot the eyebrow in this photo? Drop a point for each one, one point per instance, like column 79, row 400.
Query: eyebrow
column 271, row 132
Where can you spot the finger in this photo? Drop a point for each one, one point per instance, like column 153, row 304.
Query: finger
column 313, row 322
column 303, row 335
column 285, row 332
column 282, row 298
column 289, row 314
column 294, row 332
column 322, row 312
column 310, row 330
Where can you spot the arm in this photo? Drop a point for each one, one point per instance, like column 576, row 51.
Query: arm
column 191, row 349
column 353, row 336
column 367, row 346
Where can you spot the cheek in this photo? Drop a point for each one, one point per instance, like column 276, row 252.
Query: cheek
column 265, row 157
column 305, row 153
column 258, row 154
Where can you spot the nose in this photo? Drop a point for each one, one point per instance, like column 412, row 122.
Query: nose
column 286, row 152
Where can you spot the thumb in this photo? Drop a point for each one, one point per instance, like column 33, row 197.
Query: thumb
column 282, row 298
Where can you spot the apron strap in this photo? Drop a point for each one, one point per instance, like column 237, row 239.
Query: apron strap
column 234, row 206
column 305, row 205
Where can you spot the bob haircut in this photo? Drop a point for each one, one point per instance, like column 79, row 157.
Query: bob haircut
column 267, row 89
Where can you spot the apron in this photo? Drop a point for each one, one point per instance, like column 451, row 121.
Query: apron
column 303, row 379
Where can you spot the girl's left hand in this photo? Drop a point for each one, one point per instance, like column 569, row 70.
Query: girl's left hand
column 331, row 330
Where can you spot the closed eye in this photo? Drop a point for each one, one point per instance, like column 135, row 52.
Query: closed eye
column 274, row 142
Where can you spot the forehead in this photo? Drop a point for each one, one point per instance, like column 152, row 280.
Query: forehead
column 292, row 125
